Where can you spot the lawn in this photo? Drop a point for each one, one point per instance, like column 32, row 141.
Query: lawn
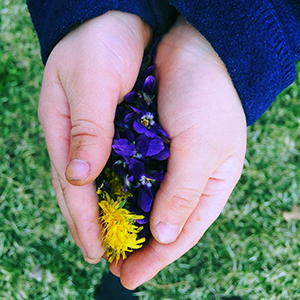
column 252, row 251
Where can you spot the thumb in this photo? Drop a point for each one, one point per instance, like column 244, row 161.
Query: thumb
column 91, row 134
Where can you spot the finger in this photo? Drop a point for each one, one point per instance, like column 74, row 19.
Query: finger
column 145, row 263
column 91, row 130
column 79, row 205
column 64, row 209
column 189, row 168
column 89, row 229
column 86, row 224
column 116, row 269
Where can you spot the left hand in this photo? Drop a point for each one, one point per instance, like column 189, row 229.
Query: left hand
column 201, row 111
column 88, row 71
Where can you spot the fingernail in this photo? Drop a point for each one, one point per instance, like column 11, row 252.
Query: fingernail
column 166, row 233
column 78, row 170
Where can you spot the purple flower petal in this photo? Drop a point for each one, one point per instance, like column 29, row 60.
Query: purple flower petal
column 142, row 221
column 162, row 155
column 141, row 129
column 129, row 135
column 123, row 147
column 149, row 85
column 149, row 71
column 158, row 176
column 130, row 97
column 138, row 211
column 135, row 166
column 118, row 167
column 160, row 130
column 129, row 118
column 151, row 180
column 138, row 111
column 127, row 182
column 140, row 82
column 152, row 51
column 156, row 145
column 149, row 146
column 121, row 112
column 145, row 198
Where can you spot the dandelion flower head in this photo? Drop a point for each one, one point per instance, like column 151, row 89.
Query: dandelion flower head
column 120, row 232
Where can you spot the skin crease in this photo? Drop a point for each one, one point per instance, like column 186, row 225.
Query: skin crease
column 198, row 107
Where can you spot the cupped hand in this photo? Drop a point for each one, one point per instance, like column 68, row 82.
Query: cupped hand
column 86, row 74
column 201, row 111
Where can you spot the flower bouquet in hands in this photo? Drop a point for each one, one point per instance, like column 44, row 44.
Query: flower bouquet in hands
column 135, row 169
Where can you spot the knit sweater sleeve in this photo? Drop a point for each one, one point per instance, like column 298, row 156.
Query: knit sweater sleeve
column 52, row 19
column 258, row 40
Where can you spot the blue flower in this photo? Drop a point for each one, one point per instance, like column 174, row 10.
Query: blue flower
column 145, row 123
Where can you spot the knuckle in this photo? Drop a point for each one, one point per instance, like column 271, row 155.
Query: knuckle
column 87, row 133
column 184, row 201
column 84, row 127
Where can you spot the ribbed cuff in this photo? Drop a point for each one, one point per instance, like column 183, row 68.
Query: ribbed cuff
column 251, row 42
column 53, row 19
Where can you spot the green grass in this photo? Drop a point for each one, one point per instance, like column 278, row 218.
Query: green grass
column 250, row 251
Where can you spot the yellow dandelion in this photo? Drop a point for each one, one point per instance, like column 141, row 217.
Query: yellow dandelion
column 120, row 232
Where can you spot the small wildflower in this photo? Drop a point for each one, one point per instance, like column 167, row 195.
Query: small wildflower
column 147, row 119
column 120, row 232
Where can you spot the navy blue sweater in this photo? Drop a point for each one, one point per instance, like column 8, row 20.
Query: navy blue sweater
column 258, row 40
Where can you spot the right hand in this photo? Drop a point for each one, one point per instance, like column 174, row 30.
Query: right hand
column 87, row 73
column 202, row 113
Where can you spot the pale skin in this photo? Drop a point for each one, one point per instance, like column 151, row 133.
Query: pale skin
column 86, row 76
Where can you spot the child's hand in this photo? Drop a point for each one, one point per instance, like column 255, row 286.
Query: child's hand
column 86, row 74
column 201, row 111
column 88, row 71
